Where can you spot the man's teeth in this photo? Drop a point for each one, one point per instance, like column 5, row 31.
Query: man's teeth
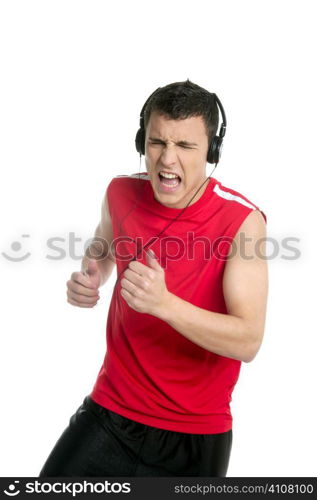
column 168, row 176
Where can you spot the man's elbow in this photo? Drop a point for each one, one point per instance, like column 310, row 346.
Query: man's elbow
column 250, row 357
column 253, row 346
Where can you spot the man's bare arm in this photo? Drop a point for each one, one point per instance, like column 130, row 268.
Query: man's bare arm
column 239, row 333
column 100, row 247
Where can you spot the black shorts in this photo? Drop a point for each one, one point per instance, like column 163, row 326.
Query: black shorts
column 99, row 442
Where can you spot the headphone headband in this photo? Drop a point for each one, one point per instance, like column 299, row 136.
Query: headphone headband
column 144, row 106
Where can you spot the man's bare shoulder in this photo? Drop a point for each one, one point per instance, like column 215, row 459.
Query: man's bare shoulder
column 254, row 223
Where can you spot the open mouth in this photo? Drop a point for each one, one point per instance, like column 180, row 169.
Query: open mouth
column 169, row 181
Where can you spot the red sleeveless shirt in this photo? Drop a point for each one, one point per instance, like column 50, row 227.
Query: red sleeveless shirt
column 151, row 373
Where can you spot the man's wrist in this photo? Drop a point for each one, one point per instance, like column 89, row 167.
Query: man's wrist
column 165, row 310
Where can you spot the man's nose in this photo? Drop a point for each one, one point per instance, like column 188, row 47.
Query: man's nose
column 168, row 156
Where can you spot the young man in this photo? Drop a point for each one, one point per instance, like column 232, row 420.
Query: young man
column 182, row 318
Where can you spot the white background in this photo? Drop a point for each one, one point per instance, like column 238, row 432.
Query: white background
column 74, row 77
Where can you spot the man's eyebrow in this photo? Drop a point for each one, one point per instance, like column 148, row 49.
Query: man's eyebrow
column 183, row 143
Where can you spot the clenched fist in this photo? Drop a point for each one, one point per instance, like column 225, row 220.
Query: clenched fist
column 82, row 288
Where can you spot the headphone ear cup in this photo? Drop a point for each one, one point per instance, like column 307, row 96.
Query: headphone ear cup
column 140, row 141
column 211, row 151
column 214, row 151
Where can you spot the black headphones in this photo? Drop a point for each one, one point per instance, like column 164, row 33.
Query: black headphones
column 215, row 148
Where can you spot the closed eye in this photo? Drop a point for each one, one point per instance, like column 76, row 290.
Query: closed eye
column 163, row 144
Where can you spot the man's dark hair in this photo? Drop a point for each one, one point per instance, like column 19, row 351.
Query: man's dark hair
column 180, row 100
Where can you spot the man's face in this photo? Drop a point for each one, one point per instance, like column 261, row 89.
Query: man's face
column 177, row 147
